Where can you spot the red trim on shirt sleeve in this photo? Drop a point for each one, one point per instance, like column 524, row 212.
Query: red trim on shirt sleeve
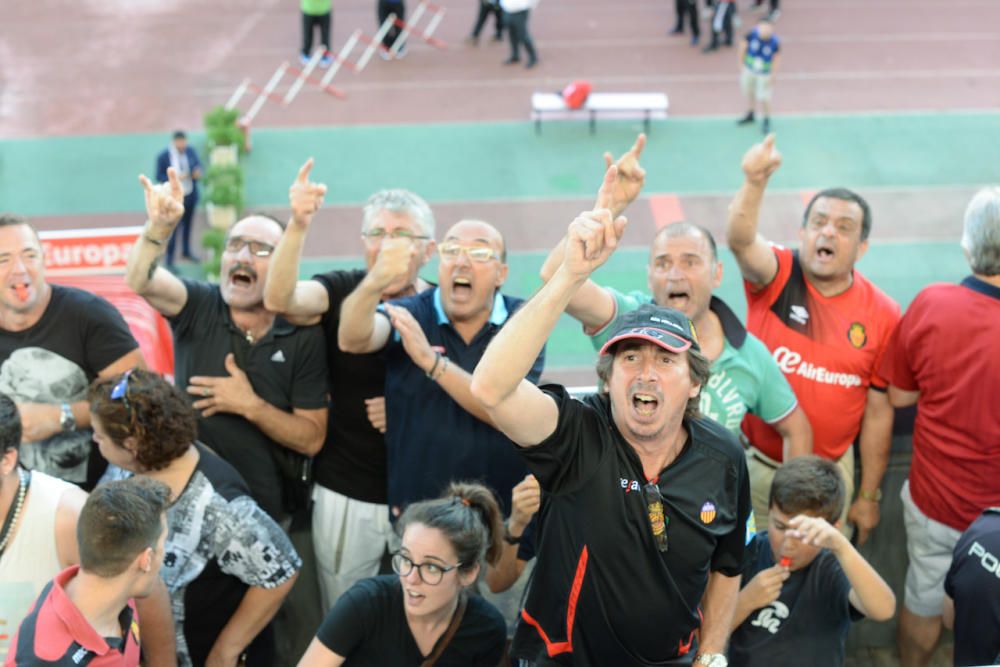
column 555, row 648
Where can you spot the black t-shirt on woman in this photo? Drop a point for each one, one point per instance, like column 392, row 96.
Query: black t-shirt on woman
column 368, row 627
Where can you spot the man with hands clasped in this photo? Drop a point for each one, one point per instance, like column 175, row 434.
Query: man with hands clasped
column 350, row 520
column 258, row 381
column 436, row 430
column 807, row 583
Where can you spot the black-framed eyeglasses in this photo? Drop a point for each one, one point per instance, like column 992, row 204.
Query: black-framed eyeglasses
column 257, row 248
column 120, row 391
column 430, row 573
column 451, row 251
column 377, row 234
column 658, row 520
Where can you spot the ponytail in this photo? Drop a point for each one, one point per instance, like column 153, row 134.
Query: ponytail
column 470, row 518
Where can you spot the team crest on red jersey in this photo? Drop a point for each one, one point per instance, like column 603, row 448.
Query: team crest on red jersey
column 857, row 335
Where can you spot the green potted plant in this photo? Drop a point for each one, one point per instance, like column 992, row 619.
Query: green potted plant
column 223, row 194
column 214, row 242
column 225, row 138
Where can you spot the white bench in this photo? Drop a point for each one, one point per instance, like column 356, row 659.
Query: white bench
column 646, row 106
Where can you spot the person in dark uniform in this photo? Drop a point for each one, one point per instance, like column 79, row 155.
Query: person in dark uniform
column 972, row 592
column 648, row 502
column 722, row 23
column 687, row 10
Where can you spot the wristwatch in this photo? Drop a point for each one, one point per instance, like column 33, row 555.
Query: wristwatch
column 712, row 660
column 508, row 538
column 67, row 422
column 874, row 496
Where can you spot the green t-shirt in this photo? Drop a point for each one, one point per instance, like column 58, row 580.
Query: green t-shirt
column 744, row 379
column 316, row 7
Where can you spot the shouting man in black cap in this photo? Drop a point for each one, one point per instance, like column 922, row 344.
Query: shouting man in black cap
column 648, row 502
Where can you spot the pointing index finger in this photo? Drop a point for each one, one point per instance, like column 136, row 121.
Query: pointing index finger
column 640, row 143
column 303, row 176
column 146, row 185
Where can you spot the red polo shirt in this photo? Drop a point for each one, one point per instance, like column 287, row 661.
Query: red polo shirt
column 55, row 631
column 947, row 347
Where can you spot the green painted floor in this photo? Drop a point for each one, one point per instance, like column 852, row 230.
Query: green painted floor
column 463, row 162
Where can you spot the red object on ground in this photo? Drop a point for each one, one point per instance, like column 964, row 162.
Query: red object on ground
column 576, row 93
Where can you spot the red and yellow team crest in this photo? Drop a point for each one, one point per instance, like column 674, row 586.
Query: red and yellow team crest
column 707, row 512
column 857, row 335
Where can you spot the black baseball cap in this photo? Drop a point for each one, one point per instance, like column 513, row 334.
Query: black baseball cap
column 666, row 327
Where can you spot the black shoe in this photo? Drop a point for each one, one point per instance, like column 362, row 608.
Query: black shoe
column 497, row 38
column 710, row 48
column 531, row 63
column 766, row 126
column 746, row 120
column 512, row 61
column 679, row 30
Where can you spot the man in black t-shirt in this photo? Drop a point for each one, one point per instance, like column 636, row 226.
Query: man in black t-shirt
column 972, row 592
column 648, row 502
column 54, row 341
column 258, row 381
column 351, row 528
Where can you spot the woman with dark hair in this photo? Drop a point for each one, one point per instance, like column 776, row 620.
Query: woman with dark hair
column 423, row 616
column 227, row 564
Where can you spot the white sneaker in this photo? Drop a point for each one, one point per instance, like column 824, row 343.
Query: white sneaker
column 385, row 55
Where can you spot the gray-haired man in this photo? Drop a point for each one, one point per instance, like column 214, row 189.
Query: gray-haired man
column 350, row 519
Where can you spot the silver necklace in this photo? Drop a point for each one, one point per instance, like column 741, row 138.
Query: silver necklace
column 24, row 479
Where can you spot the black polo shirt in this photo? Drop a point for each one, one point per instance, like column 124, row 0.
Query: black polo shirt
column 287, row 368
column 973, row 582
column 352, row 462
column 603, row 594
column 430, row 439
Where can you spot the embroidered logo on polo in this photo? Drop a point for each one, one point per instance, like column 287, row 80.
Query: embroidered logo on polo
column 708, row 512
column 278, row 357
column 771, row 616
column 857, row 335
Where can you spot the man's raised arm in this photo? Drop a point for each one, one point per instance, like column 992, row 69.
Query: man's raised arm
column 300, row 301
column 164, row 208
column 518, row 408
column 362, row 329
column 592, row 304
column 753, row 254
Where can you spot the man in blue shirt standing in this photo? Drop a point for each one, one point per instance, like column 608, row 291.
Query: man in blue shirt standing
column 759, row 55
column 184, row 160
column 436, row 431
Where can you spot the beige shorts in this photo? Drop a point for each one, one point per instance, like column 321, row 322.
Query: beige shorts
column 758, row 85
column 930, row 546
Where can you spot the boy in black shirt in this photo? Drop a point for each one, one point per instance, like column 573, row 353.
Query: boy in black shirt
column 799, row 610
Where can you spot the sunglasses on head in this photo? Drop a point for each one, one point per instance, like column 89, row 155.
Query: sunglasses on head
column 120, row 391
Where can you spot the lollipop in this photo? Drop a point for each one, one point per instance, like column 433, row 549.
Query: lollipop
column 785, row 561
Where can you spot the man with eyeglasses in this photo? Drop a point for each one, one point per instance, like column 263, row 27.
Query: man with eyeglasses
column 351, row 528
column 54, row 341
column 436, row 430
column 258, row 381
column 647, row 501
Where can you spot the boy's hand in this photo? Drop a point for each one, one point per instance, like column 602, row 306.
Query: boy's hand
column 766, row 585
column 817, row 532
